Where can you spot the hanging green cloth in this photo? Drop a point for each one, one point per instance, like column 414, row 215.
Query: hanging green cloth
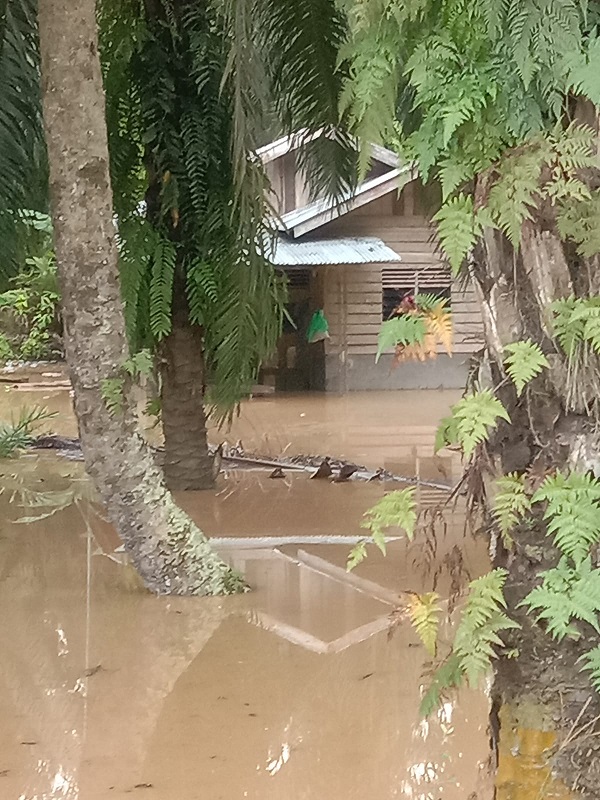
column 318, row 328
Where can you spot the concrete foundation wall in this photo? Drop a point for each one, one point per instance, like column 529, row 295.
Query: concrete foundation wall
column 361, row 373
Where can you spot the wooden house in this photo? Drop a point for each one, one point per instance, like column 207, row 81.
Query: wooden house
column 356, row 260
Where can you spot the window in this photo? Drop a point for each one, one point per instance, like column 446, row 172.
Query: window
column 397, row 282
column 392, row 297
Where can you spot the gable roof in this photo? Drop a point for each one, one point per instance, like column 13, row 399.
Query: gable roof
column 286, row 144
column 308, row 218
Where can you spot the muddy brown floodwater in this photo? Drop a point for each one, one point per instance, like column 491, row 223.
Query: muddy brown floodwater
column 291, row 692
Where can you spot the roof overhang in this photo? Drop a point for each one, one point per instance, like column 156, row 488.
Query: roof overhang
column 286, row 144
column 303, row 220
column 321, row 252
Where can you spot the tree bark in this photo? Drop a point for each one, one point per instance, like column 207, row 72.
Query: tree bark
column 164, row 544
column 542, row 694
column 187, row 463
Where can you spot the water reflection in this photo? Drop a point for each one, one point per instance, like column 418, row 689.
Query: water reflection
column 293, row 691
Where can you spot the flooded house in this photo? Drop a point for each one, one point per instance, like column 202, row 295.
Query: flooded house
column 355, row 261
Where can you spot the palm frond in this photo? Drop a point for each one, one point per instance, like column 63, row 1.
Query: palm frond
column 23, row 162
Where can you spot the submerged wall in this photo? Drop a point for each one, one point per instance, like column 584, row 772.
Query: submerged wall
column 359, row 372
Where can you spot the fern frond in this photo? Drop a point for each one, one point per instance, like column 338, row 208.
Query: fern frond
column 424, row 611
column 111, row 391
column 405, row 330
column 567, row 328
column 395, row 509
column 482, row 620
column 458, row 229
column 511, row 504
column 356, row 556
column 446, row 434
column 591, row 664
column 164, row 260
column 140, row 363
column 448, row 675
column 583, row 67
column 568, row 592
column 476, row 415
column 513, row 195
column 524, row 360
column 572, row 512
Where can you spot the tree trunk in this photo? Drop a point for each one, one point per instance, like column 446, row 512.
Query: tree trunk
column 169, row 551
column 543, row 697
column 187, row 463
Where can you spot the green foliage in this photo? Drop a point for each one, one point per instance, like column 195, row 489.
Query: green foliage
column 33, row 303
column 572, row 512
column 424, row 611
column 6, row 350
column 583, row 68
column 140, row 363
column 578, row 220
column 482, row 620
column 477, row 94
column 162, row 275
column 570, row 591
column 395, row 509
column 407, row 330
column 511, row 505
column 523, row 361
column 446, row 433
column 471, row 421
column 457, row 228
column 22, row 147
column 111, row 391
column 206, row 197
column 449, row 675
column 591, row 661
column 577, row 323
column 17, row 434
column 356, row 555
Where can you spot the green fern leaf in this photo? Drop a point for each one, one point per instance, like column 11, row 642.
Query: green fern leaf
column 568, row 592
column 446, row 434
column 161, row 287
column 572, row 512
column 395, row 509
column 482, row 620
column 448, row 675
column 568, row 329
column 583, row 69
column 356, row 555
column 407, row 329
column 476, row 415
column 424, row 611
column 511, row 504
column 523, row 361
column 140, row 363
column 591, row 664
column 111, row 391
column 513, row 196
column 457, row 228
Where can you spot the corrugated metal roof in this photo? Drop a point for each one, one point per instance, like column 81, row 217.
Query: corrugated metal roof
column 355, row 250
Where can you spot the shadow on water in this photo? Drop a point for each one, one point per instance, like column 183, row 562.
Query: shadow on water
column 292, row 691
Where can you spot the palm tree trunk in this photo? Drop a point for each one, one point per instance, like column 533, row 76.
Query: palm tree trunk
column 542, row 692
column 169, row 551
column 187, row 463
